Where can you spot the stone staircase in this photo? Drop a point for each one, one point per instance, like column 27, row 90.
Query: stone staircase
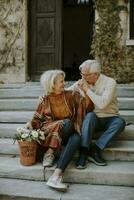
column 113, row 182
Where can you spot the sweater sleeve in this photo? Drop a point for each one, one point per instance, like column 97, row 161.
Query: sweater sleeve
column 38, row 116
column 103, row 100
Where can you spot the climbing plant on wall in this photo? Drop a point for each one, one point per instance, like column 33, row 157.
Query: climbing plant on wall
column 106, row 44
column 11, row 33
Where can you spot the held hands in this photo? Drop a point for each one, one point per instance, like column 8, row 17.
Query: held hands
column 83, row 85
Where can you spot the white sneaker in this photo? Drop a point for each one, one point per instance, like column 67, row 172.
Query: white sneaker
column 56, row 183
column 48, row 160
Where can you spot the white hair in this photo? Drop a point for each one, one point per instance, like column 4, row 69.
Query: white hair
column 92, row 65
column 47, row 80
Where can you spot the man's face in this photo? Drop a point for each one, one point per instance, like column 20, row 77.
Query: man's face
column 91, row 78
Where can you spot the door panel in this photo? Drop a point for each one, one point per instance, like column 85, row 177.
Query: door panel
column 44, row 36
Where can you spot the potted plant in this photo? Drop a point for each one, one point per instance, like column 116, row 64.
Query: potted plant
column 28, row 142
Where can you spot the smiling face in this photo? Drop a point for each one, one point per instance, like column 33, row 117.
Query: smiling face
column 91, row 78
column 59, row 84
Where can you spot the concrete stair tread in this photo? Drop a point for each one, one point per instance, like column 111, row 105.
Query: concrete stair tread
column 11, row 168
column 33, row 89
column 39, row 190
column 121, row 146
column 30, row 103
column 116, row 173
column 7, row 146
column 18, row 104
column 16, row 116
column 9, row 129
column 24, row 116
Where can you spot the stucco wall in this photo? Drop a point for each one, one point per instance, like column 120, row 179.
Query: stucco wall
column 12, row 41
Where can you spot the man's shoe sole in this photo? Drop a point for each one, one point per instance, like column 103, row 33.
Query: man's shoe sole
column 95, row 162
column 81, row 167
column 57, row 188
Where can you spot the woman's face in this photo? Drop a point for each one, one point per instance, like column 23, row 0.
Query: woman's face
column 59, row 84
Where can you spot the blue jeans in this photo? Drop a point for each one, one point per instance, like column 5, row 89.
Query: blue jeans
column 71, row 141
column 110, row 126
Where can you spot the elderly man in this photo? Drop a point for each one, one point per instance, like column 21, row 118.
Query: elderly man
column 101, row 90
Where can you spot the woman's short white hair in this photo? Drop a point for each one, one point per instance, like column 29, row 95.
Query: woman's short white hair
column 92, row 65
column 48, row 78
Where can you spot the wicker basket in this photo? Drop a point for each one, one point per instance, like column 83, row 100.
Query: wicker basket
column 28, row 150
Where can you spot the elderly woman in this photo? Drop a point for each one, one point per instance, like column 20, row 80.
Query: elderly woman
column 59, row 115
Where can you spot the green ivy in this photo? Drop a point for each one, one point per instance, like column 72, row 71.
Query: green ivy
column 106, row 44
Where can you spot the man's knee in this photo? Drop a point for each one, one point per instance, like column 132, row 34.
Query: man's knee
column 119, row 123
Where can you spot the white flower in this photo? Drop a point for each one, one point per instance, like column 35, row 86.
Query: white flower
column 35, row 134
column 20, row 130
column 24, row 135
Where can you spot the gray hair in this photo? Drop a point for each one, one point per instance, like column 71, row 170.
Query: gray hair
column 92, row 65
column 48, row 78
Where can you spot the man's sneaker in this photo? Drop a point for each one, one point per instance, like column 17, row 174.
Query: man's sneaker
column 81, row 162
column 55, row 182
column 96, row 159
column 48, row 160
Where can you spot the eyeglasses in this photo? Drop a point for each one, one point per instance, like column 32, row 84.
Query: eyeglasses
column 86, row 74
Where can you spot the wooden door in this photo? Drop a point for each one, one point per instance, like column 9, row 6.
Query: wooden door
column 44, row 36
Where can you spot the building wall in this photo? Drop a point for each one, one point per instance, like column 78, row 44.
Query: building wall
column 13, row 41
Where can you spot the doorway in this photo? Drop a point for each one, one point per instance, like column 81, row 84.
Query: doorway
column 77, row 26
column 60, row 36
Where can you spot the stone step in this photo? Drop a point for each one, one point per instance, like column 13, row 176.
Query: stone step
column 118, row 150
column 128, row 115
column 18, row 104
column 30, row 104
column 126, row 103
column 125, row 91
column 28, row 190
column 15, row 116
column 115, row 173
column 34, row 90
column 11, row 168
column 24, row 116
column 7, row 130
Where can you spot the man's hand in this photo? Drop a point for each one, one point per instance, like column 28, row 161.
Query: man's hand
column 83, row 85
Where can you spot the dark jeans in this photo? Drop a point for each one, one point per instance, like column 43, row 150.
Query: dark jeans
column 110, row 126
column 71, row 141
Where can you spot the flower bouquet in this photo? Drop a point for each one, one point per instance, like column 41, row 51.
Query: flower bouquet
column 28, row 140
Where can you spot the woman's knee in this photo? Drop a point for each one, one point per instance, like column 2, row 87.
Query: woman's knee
column 76, row 138
column 67, row 125
column 67, row 122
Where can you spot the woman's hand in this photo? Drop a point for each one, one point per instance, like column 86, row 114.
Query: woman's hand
column 29, row 126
